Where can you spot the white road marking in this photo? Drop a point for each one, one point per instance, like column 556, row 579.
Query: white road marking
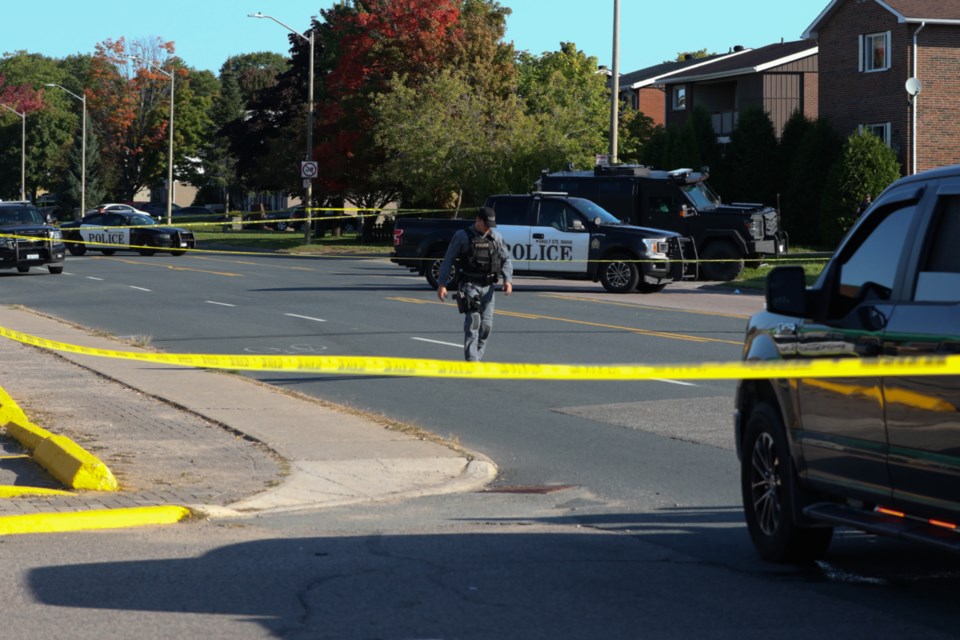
column 222, row 304
column 139, row 288
column 92, row 278
column 449, row 344
column 293, row 315
column 685, row 384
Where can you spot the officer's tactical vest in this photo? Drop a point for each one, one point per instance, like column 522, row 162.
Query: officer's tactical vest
column 482, row 262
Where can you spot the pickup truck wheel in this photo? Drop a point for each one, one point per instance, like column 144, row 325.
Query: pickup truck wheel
column 77, row 248
column 432, row 272
column 643, row 287
column 768, row 483
column 177, row 253
column 146, row 252
column 23, row 268
column 619, row 274
column 55, row 270
column 729, row 263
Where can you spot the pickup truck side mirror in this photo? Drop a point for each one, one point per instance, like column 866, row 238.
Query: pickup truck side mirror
column 787, row 291
column 577, row 224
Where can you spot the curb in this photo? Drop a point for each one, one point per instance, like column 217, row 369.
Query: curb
column 65, row 460
column 91, row 520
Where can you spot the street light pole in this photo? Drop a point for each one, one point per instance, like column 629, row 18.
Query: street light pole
column 23, row 150
column 615, row 87
column 170, row 75
column 308, row 183
column 83, row 148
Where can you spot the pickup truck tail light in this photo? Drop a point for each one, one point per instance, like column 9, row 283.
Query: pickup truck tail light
column 397, row 236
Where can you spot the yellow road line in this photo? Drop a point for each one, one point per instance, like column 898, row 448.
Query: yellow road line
column 254, row 264
column 564, row 296
column 175, row 268
column 599, row 325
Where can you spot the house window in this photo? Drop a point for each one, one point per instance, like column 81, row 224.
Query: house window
column 875, row 52
column 679, row 97
column 881, row 130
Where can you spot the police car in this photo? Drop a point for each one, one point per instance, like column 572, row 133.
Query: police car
column 112, row 231
column 553, row 235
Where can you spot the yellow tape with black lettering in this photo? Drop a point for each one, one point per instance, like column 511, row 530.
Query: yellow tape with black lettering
column 411, row 367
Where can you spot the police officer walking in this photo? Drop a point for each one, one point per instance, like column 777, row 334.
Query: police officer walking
column 481, row 257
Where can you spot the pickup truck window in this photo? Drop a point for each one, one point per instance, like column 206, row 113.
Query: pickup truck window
column 511, row 210
column 876, row 259
column 553, row 213
column 939, row 278
column 592, row 211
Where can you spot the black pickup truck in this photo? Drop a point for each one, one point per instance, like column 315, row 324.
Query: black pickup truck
column 27, row 239
column 557, row 236
column 880, row 453
column 681, row 200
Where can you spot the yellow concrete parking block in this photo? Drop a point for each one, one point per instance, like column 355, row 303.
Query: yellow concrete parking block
column 92, row 520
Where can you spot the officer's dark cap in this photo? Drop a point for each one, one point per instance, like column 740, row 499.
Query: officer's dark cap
column 488, row 216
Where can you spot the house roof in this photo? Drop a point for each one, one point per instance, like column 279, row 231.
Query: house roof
column 651, row 75
column 750, row 61
column 906, row 11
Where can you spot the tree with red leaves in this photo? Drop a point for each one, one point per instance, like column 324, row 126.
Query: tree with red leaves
column 126, row 103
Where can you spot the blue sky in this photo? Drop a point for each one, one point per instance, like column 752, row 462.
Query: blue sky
column 207, row 32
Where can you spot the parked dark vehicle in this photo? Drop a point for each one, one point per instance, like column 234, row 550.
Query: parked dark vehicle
column 881, row 453
column 550, row 234
column 114, row 231
column 725, row 234
column 27, row 239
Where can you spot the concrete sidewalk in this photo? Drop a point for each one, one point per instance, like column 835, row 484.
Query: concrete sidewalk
column 216, row 442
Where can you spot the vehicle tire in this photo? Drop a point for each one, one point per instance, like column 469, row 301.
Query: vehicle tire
column 280, row 226
column 643, row 287
column 730, row 267
column 146, row 252
column 619, row 274
column 23, row 268
column 177, row 253
column 432, row 272
column 55, row 270
column 76, row 248
column 768, row 484
column 108, row 252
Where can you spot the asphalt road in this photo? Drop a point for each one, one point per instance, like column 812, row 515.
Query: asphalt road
column 605, row 436
column 617, row 515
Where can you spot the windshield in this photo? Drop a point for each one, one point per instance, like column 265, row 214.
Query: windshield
column 141, row 221
column 701, row 196
column 593, row 210
column 21, row 215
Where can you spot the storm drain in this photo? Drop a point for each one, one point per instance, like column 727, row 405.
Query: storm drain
column 533, row 489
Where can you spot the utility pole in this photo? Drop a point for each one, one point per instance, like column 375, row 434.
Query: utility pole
column 615, row 85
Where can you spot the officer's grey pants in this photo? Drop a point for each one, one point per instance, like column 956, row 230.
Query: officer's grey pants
column 477, row 326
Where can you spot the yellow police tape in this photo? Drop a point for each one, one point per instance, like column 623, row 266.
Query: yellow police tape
column 411, row 367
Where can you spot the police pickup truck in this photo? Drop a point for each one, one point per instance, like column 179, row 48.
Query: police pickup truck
column 27, row 239
column 550, row 234
column 681, row 200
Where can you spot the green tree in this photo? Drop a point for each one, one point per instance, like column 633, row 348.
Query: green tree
column 794, row 130
column 635, row 133
column 68, row 187
column 569, row 102
column 800, row 213
column 748, row 171
column 865, row 166
column 448, row 142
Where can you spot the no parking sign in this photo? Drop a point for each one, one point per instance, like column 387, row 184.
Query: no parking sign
column 308, row 169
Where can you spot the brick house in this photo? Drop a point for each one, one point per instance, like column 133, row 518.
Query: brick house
column 779, row 78
column 868, row 51
column 643, row 89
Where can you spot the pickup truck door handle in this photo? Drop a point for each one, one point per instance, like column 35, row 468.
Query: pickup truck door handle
column 538, row 236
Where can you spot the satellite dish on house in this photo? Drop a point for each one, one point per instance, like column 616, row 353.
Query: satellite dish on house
column 913, row 86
